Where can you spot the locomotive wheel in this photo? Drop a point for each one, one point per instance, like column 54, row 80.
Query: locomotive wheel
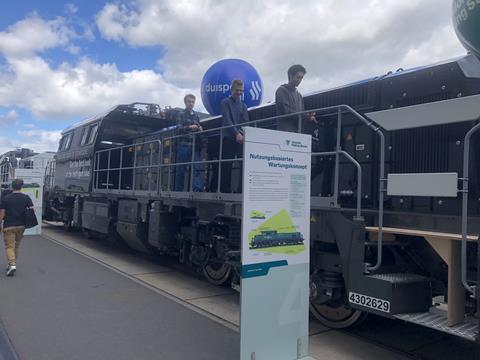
column 217, row 273
column 339, row 317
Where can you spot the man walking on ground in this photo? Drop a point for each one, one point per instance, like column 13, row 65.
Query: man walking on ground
column 12, row 212
column 234, row 112
column 188, row 122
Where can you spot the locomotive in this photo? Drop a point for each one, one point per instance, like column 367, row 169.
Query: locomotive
column 269, row 238
column 395, row 194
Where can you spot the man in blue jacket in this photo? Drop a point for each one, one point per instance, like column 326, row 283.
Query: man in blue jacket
column 234, row 113
column 188, row 122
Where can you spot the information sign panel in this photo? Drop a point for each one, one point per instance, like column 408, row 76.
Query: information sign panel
column 33, row 187
column 275, row 245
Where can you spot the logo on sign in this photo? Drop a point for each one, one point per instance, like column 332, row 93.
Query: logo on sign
column 255, row 90
column 297, row 144
column 223, row 88
column 216, row 82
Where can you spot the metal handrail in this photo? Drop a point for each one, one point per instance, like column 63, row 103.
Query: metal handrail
column 97, row 170
column 466, row 160
column 337, row 108
column 381, row 189
column 358, row 215
column 338, row 152
column 6, row 172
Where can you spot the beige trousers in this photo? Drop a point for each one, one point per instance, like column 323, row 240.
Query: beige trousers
column 12, row 237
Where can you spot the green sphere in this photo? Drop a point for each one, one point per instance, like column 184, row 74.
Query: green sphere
column 466, row 20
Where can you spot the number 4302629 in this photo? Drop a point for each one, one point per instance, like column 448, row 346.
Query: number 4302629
column 370, row 302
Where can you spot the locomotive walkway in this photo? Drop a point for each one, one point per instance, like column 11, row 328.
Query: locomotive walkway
column 74, row 298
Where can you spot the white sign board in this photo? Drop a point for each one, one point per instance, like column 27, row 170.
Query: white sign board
column 33, row 187
column 275, row 245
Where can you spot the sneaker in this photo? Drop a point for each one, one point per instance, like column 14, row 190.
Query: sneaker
column 11, row 270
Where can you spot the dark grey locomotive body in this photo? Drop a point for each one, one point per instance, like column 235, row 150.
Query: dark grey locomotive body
column 118, row 183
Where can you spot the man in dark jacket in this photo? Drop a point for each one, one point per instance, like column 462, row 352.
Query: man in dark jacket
column 12, row 212
column 288, row 101
column 188, row 122
column 234, row 113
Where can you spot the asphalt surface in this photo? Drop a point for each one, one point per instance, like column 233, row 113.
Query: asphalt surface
column 7, row 352
column 61, row 305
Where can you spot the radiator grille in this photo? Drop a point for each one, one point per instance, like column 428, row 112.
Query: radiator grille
column 420, row 150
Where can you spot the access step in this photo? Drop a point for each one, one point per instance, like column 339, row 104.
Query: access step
column 438, row 320
column 392, row 293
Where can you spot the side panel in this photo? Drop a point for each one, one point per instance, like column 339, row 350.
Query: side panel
column 96, row 216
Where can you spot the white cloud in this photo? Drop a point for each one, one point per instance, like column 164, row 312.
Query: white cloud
column 8, row 119
column 39, row 140
column 34, row 34
column 6, row 144
column 81, row 90
column 35, row 139
column 338, row 42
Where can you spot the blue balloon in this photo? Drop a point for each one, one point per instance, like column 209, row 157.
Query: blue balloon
column 216, row 84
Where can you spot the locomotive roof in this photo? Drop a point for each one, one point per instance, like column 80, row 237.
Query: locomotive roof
column 124, row 111
column 86, row 121
column 399, row 72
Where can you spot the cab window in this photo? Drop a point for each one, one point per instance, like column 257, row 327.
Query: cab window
column 92, row 133
column 88, row 134
column 65, row 142
column 84, row 136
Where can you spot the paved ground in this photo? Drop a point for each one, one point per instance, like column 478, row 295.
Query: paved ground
column 183, row 291
column 61, row 305
column 7, row 352
column 219, row 303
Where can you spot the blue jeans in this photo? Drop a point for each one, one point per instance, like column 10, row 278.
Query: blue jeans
column 184, row 154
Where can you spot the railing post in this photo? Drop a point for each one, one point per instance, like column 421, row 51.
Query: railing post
column 150, row 163
column 97, row 166
column 160, row 164
column 466, row 163
column 337, row 155
column 220, row 158
column 120, row 169
column 108, row 169
column 169, row 180
column 134, row 165
column 191, row 163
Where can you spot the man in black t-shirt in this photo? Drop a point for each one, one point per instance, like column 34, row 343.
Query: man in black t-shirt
column 12, row 212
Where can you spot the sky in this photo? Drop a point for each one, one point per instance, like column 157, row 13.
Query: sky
column 61, row 62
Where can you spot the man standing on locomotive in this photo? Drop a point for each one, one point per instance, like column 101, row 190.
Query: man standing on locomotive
column 12, row 212
column 234, row 112
column 288, row 101
column 188, row 122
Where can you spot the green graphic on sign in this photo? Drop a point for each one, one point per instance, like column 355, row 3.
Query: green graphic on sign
column 255, row 214
column 277, row 235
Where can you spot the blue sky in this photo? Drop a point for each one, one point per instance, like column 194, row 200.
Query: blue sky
column 63, row 61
